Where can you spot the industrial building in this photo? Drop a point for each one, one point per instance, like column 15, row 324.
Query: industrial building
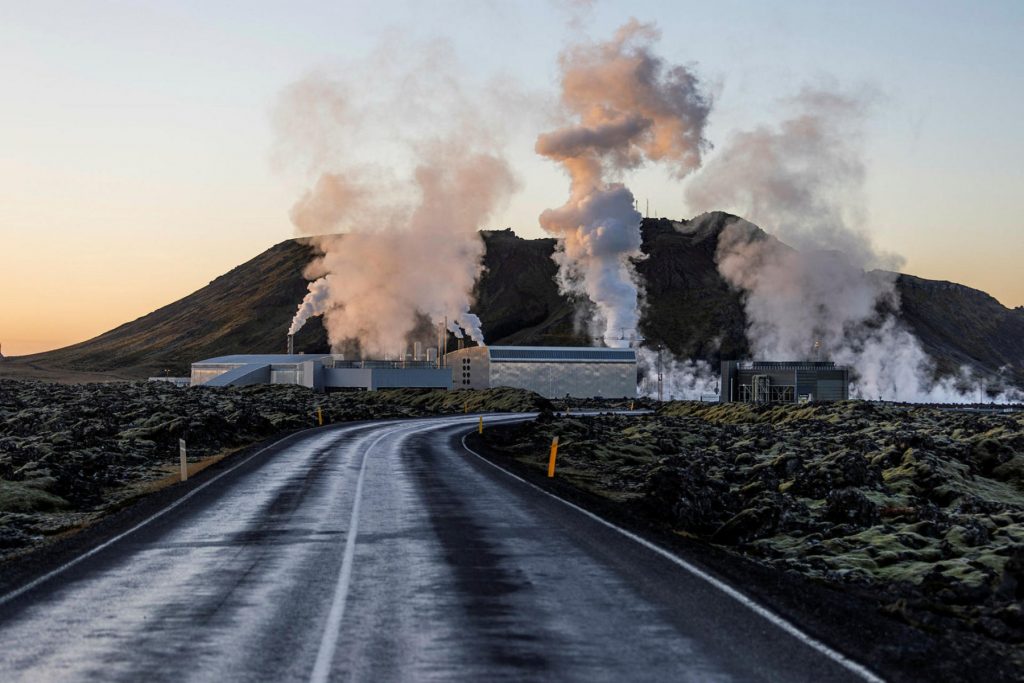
column 784, row 381
column 551, row 371
column 319, row 372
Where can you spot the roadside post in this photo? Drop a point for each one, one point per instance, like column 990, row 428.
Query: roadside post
column 551, row 459
column 631, row 405
column 480, row 427
column 184, row 459
column 319, row 416
column 465, row 408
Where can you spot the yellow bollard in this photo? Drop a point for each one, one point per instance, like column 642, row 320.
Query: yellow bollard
column 551, row 459
column 480, row 428
column 465, row 408
column 319, row 416
column 631, row 405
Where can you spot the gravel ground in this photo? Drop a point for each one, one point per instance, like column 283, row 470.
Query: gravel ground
column 70, row 454
column 920, row 510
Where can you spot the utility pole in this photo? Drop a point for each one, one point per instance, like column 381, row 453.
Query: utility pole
column 445, row 333
column 661, row 377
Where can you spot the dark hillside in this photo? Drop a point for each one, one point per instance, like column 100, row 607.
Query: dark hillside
column 962, row 326
column 246, row 310
column 517, row 297
column 689, row 308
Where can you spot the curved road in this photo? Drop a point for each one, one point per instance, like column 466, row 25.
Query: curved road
column 387, row 551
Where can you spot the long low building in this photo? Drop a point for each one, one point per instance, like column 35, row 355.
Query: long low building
column 784, row 381
column 318, row 372
column 551, row 371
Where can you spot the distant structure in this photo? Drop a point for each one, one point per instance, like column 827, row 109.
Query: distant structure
column 784, row 382
column 551, row 371
column 323, row 372
column 176, row 381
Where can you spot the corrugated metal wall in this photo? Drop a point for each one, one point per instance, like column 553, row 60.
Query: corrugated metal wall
column 556, row 380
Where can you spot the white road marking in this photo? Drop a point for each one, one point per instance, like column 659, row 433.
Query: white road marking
column 329, row 640
column 106, row 544
column 837, row 657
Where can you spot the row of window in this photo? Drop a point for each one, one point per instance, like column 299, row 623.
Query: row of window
column 560, row 354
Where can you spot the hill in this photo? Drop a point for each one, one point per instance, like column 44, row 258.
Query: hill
column 690, row 309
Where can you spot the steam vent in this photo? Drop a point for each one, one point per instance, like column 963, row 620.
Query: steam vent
column 784, row 381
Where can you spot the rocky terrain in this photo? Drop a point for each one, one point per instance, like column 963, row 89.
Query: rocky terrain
column 689, row 308
column 919, row 510
column 71, row 453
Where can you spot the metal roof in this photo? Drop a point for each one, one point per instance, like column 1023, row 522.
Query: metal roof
column 264, row 359
column 786, row 365
column 560, row 353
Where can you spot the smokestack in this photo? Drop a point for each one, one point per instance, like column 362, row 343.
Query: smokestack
column 432, row 357
column 291, row 344
column 417, row 350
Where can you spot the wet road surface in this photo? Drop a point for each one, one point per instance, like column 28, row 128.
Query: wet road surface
column 386, row 551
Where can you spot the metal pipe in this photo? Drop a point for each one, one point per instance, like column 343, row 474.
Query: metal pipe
column 291, row 344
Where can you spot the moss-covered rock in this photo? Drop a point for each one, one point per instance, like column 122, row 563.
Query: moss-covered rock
column 923, row 506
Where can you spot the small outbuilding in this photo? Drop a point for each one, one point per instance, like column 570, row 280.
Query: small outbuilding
column 784, row 381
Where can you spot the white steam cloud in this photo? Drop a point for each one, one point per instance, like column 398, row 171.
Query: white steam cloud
column 833, row 294
column 314, row 303
column 628, row 108
column 681, row 379
column 408, row 168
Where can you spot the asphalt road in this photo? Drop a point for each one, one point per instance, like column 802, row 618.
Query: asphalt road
column 386, row 551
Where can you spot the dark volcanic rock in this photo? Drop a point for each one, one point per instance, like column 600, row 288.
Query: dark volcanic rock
column 69, row 450
column 921, row 508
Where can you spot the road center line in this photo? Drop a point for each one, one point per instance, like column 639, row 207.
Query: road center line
column 329, row 640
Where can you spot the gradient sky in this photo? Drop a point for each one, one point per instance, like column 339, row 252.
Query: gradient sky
column 136, row 140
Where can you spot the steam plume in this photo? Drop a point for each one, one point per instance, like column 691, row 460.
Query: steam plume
column 682, row 379
column 410, row 247
column 314, row 303
column 629, row 108
column 803, row 180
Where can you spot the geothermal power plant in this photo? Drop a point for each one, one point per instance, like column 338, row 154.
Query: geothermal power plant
column 551, row 371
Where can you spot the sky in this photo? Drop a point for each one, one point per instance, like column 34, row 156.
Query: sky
column 137, row 147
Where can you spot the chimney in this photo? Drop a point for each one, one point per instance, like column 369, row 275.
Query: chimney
column 291, row 344
column 417, row 351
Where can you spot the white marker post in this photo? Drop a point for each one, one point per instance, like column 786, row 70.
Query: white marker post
column 184, row 459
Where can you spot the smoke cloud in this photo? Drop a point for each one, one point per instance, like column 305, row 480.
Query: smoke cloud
column 408, row 170
column 627, row 108
column 824, row 290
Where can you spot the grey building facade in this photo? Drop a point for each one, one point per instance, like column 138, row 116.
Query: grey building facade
column 551, row 371
column 784, row 381
column 318, row 372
